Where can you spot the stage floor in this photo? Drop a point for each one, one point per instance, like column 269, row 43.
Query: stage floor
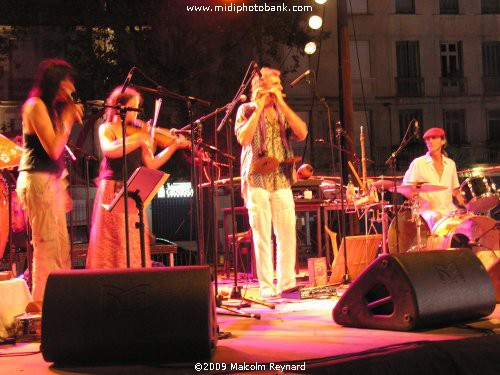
column 300, row 332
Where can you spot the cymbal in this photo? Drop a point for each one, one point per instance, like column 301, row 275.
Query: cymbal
column 265, row 165
column 10, row 153
column 384, row 177
column 415, row 189
column 385, row 184
column 493, row 169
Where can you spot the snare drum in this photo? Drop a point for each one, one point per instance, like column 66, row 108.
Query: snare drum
column 4, row 215
column 407, row 233
column 463, row 230
column 480, row 194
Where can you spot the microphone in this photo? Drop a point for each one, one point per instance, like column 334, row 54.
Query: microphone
column 257, row 70
column 95, row 103
column 300, row 78
column 175, row 131
column 128, row 79
column 416, row 132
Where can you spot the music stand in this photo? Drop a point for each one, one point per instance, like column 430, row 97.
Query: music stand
column 141, row 188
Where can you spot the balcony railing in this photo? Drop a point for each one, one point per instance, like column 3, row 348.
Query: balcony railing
column 491, row 85
column 453, row 86
column 410, row 86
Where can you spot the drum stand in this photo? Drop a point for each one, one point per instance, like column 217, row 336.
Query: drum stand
column 415, row 217
column 385, row 229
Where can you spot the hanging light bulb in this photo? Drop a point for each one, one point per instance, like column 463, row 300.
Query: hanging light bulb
column 315, row 22
column 320, row 2
column 310, row 48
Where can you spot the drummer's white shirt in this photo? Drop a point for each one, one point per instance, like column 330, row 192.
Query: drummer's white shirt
column 436, row 204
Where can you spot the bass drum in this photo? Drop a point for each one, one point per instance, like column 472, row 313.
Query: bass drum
column 464, row 231
column 4, row 215
column 407, row 233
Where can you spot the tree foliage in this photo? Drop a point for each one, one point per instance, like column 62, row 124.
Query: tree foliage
column 201, row 54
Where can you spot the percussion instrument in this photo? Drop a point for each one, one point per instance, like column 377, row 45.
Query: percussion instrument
column 480, row 194
column 10, row 153
column 4, row 215
column 265, row 165
column 18, row 219
column 408, row 239
column 464, row 230
column 416, row 188
column 385, row 177
column 384, row 184
column 479, row 170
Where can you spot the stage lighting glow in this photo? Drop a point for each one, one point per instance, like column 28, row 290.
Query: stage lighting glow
column 320, row 2
column 315, row 22
column 310, row 48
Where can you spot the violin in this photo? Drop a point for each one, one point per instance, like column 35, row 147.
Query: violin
column 162, row 136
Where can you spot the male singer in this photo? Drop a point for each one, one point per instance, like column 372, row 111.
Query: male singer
column 264, row 128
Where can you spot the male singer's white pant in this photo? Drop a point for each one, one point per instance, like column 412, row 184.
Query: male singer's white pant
column 277, row 210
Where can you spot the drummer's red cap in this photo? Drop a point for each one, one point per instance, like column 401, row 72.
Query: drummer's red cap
column 434, row 132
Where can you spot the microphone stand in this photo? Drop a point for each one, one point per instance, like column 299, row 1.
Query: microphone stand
column 70, row 157
column 236, row 291
column 188, row 100
column 322, row 100
column 123, row 112
column 87, row 157
column 339, row 131
column 392, row 163
column 476, row 242
column 231, row 159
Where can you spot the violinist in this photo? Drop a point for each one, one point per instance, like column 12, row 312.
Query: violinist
column 48, row 117
column 107, row 238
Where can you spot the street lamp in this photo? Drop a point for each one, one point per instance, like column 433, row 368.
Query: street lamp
column 310, row 48
column 315, row 22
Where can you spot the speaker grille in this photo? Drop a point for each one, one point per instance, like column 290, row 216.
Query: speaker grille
column 130, row 315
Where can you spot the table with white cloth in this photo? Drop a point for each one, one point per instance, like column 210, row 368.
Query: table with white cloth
column 14, row 297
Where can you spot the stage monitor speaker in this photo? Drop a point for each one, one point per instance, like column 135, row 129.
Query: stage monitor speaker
column 494, row 272
column 129, row 316
column 361, row 251
column 417, row 290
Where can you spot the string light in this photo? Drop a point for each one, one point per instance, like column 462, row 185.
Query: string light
column 310, row 48
column 315, row 22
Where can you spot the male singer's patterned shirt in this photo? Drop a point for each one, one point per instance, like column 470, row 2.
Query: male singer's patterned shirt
column 275, row 146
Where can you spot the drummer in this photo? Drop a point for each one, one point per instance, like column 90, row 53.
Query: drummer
column 435, row 168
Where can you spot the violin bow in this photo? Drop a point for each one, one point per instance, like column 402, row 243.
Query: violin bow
column 155, row 119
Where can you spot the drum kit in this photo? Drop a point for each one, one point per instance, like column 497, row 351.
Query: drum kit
column 468, row 228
